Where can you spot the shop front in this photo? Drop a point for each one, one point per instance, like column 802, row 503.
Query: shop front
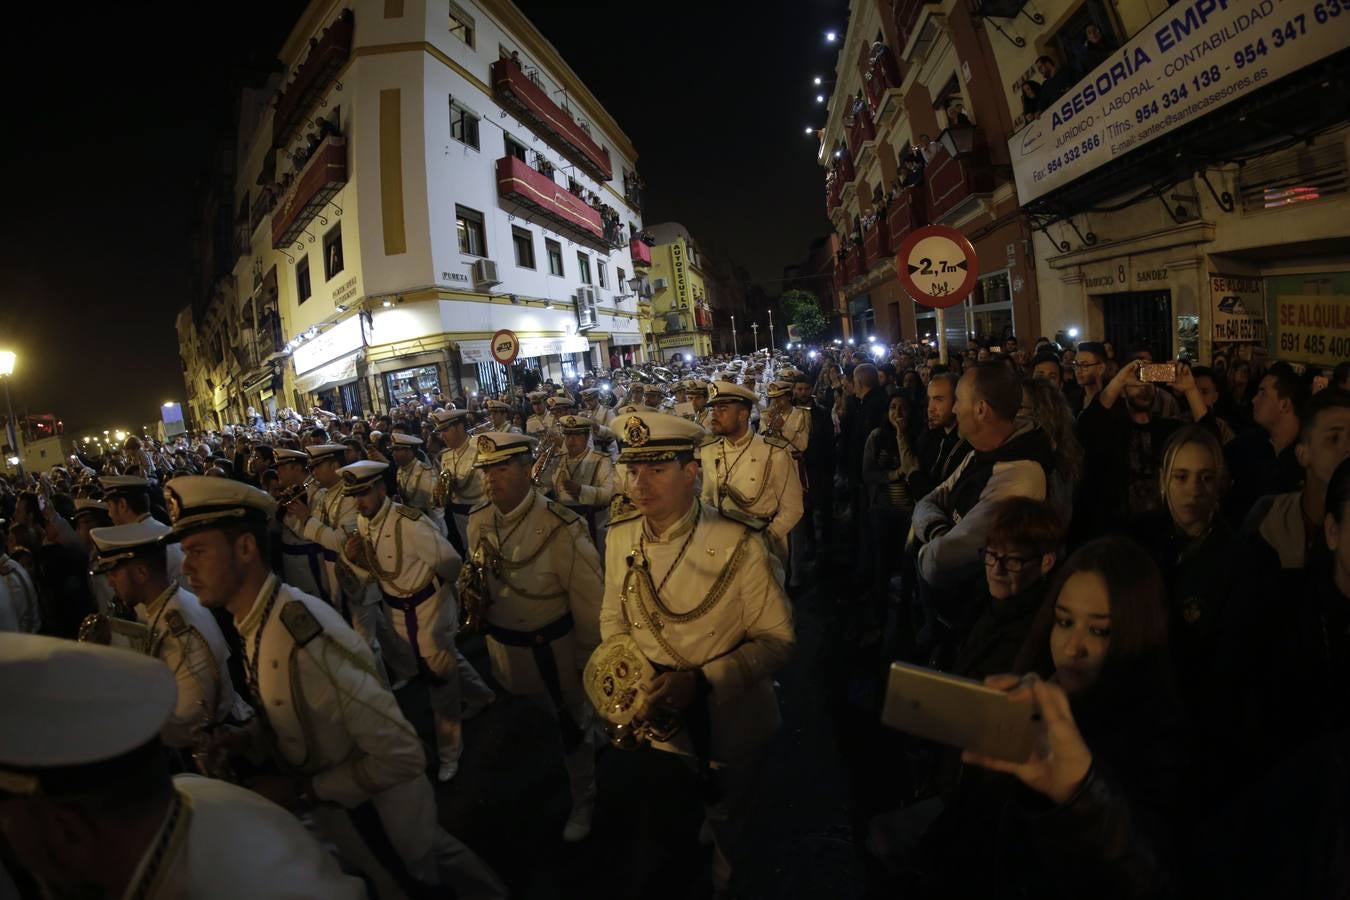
column 625, row 349
column 326, row 369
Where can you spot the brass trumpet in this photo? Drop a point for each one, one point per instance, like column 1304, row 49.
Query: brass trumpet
column 445, row 485
column 475, row 597
column 548, row 448
column 287, row 496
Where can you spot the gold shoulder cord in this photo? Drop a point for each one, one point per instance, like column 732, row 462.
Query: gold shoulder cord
column 736, row 496
column 638, row 585
column 503, row 565
column 372, row 559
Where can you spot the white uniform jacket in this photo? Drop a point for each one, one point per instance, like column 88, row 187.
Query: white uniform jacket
column 186, row 637
column 417, row 485
column 739, row 630
column 756, row 476
column 548, row 568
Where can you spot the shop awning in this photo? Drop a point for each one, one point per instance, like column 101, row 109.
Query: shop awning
column 624, row 338
column 337, row 372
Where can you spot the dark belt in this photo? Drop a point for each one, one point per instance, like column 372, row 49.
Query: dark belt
column 314, row 552
column 460, row 509
column 330, row 555
column 697, row 722
column 539, row 641
column 408, row 606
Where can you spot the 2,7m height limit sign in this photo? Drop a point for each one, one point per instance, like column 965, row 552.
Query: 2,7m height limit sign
column 938, row 268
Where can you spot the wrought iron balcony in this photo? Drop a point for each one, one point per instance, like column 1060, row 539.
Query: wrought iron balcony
column 312, row 80
column 640, row 252
column 528, row 101
column 952, row 181
column 860, row 131
column 905, row 214
column 519, row 183
column 877, row 243
column 314, row 185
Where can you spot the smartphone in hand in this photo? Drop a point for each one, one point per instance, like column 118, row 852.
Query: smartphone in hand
column 959, row 712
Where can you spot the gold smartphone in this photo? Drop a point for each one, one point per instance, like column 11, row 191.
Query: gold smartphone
column 1163, row 373
column 958, row 712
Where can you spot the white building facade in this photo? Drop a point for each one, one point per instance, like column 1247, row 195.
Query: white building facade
column 427, row 174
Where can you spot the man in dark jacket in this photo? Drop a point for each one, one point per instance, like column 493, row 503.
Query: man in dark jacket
column 1008, row 459
column 1264, row 460
column 867, row 415
column 1122, row 450
column 940, row 448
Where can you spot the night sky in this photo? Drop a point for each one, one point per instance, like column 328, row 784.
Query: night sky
column 111, row 128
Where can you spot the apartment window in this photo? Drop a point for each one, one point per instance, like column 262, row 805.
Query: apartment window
column 555, row 264
column 620, row 284
column 602, row 273
column 584, row 266
column 524, row 243
column 514, row 147
column 461, row 24
column 469, row 227
column 332, row 252
column 463, row 125
column 302, row 287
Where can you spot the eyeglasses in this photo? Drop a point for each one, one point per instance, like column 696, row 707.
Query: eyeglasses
column 1011, row 564
column 1083, row 365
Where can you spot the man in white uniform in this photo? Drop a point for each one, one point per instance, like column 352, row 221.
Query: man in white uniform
column 416, row 479
column 751, row 474
column 347, row 754
column 534, row 569
column 584, row 480
column 89, row 809
column 128, row 500
column 463, row 485
column 301, row 557
column 414, row 567
column 694, row 590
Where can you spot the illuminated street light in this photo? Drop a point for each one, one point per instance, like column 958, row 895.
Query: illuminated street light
column 816, row 81
column 809, row 129
column 820, row 98
column 1073, row 332
column 830, row 37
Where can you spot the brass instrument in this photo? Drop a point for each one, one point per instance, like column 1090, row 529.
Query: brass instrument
column 445, row 485
column 618, row 679
column 475, row 598
column 287, row 496
column 548, row 448
column 773, row 425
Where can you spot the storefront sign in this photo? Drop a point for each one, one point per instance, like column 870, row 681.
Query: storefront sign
column 675, row 340
column 531, row 347
column 341, row 339
column 1192, row 59
column 1238, row 308
column 1107, row 277
column 475, row 351
column 624, row 338
column 505, row 347
column 937, row 266
column 339, row 372
column 1313, row 328
column 681, row 282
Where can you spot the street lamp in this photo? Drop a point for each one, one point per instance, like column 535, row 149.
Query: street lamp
column 734, row 351
column 754, row 326
column 7, row 361
column 770, row 330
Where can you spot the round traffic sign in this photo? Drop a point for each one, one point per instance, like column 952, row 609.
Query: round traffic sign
column 937, row 266
column 505, row 347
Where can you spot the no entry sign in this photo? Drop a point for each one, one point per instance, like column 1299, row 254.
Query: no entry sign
column 505, row 346
column 937, row 266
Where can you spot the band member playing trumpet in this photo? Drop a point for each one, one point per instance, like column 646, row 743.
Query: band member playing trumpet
column 416, row 479
column 538, row 588
column 499, row 417
column 693, row 588
column 459, row 487
column 415, row 567
column 301, row 558
column 584, row 478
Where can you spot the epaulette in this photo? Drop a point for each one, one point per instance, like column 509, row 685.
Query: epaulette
column 178, row 626
column 407, row 512
column 774, row 440
column 300, row 622
column 427, row 466
column 480, row 507
column 621, row 509
column 563, row 512
column 752, row 522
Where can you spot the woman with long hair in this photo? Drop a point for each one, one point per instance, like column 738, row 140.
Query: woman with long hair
column 1045, row 404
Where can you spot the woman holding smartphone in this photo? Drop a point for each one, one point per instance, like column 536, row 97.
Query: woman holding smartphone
column 1089, row 814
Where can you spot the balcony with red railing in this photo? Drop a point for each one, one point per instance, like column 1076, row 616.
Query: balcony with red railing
column 860, row 131
column 882, row 75
column 906, row 17
column 877, row 243
column 640, row 251
column 317, row 182
column 530, row 103
column 834, row 187
column 853, row 265
column 520, row 184
column 312, row 80
column 703, row 318
column 905, row 214
column 953, row 181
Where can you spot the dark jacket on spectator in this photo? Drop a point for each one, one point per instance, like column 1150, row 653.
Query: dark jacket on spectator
column 940, row 451
column 863, row 419
column 63, row 588
column 1103, row 492
column 1256, row 470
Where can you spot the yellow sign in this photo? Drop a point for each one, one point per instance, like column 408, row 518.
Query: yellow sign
column 1313, row 328
column 681, row 282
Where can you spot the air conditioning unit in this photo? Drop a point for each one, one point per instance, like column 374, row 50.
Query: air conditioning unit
column 485, row 274
column 586, row 316
column 660, row 284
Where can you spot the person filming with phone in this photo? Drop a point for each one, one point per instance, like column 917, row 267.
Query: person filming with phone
column 1123, row 444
